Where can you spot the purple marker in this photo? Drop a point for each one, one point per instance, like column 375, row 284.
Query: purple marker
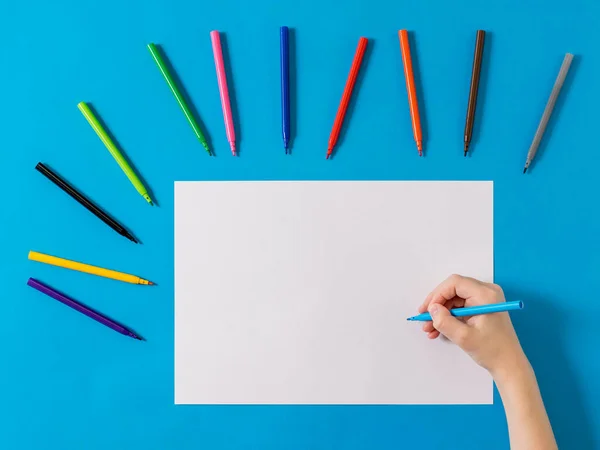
column 81, row 308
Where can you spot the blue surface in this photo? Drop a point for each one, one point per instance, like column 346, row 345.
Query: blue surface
column 68, row 383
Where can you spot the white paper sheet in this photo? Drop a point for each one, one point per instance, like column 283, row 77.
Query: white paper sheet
column 298, row 292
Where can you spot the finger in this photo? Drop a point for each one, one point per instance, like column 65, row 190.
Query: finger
column 434, row 334
column 455, row 330
column 456, row 286
column 450, row 303
column 456, row 302
column 427, row 301
column 429, row 297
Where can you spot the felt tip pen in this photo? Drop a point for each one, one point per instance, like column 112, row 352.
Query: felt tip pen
column 474, row 310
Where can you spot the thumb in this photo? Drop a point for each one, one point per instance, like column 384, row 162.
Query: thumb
column 448, row 325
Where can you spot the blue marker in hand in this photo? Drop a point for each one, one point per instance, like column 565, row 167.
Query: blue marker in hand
column 474, row 310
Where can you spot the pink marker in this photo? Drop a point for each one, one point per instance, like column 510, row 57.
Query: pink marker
column 222, row 80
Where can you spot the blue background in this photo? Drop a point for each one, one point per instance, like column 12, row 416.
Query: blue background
column 68, row 383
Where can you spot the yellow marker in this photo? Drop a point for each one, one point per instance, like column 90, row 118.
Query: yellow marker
column 114, row 151
column 93, row 270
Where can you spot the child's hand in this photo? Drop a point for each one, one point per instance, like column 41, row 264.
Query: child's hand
column 489, row 339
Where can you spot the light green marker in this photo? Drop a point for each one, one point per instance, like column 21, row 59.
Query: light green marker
column 175, row 90
column 114, row 151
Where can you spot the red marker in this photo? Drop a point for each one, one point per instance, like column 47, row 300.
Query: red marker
column 339, row 118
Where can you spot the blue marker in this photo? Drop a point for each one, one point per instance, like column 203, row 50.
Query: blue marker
column 285, row 86
column 474, row 310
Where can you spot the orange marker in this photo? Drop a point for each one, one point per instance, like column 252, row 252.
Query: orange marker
column 411, row 89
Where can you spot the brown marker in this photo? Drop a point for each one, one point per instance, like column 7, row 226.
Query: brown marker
column 474, row 88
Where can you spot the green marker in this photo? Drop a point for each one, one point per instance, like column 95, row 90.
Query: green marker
column 184, row 107
column 114, row 151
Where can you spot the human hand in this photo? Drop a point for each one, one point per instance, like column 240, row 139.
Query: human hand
column 490, row 339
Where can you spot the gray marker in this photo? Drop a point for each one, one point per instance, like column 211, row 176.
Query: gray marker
column 558, row 84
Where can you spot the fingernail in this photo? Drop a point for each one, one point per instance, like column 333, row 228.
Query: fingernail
column 433, row 310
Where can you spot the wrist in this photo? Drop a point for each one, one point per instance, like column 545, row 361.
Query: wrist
column 513, row 368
